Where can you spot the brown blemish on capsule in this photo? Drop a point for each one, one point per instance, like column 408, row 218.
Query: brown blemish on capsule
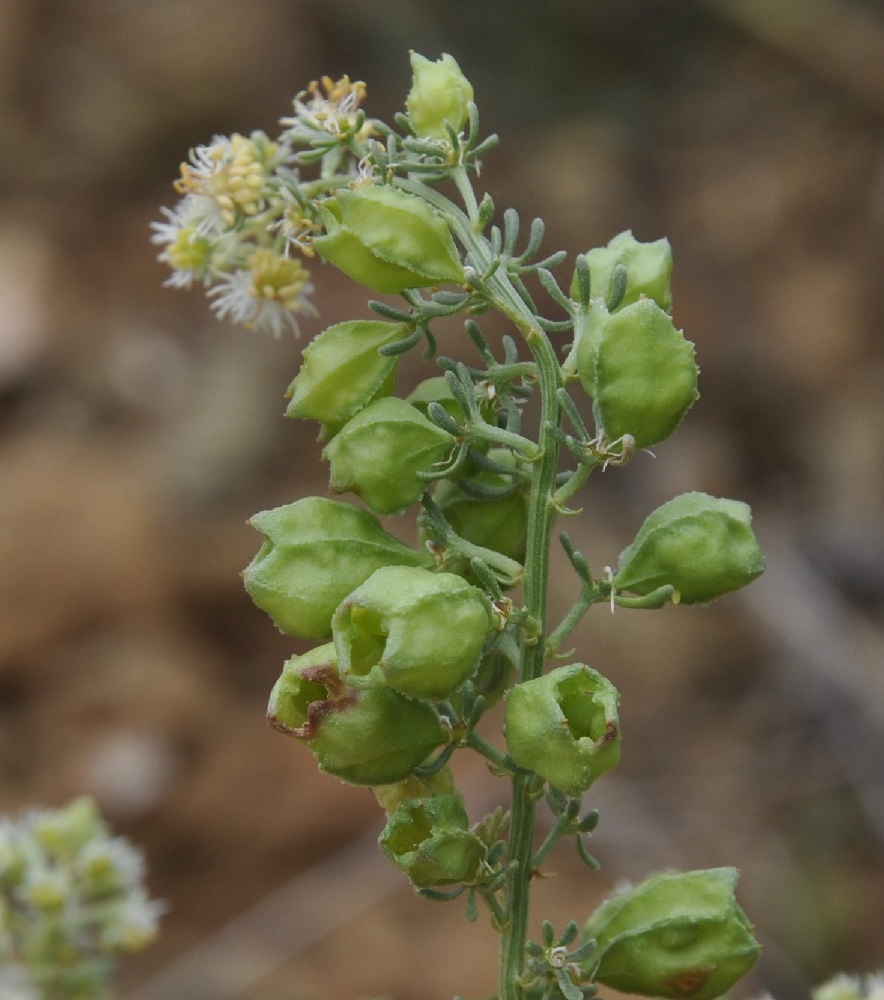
column 610, row 734
column 687, row 983
column 339, row 695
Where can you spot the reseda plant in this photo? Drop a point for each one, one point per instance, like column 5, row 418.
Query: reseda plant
column 415, row 642
column 72, row 899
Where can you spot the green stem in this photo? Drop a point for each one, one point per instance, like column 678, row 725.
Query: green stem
column 552, row 838
column 541, row 515
column 500, row 760
column 573, row 484
column 589, row 595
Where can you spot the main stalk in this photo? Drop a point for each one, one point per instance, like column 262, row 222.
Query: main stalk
column 541, row 515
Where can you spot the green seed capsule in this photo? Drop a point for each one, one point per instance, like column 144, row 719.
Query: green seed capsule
column 436, row 390
column 498, row 523
column 342, row 372
column 419, row 632
column 639, row 370
column 371, row 737
column 680, row 936
column 378, row 454
column 315, row 552
column 390, row 797
column 564, row 725
column 439, row 93
column 648, row 270
column 388, row 240
column 493, row 677
column 429, row 839
column 700, row 545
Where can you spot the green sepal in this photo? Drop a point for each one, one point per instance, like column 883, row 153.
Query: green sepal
column 371, row 737
column 648, row 270
column 680, row 936
column 701, row 545
column 429, row 839
column 439, row 93
column 342, row 372
column 419, row 632
column 315, row 552
column 564, row 726
column 639, row 370
column 388, row 240
column 378, row 454
column 436, row 390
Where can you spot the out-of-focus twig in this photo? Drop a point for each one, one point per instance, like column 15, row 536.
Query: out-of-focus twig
column 833, row 39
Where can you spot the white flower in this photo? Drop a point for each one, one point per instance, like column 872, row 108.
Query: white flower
column 840, row 987
column 267, row 296
column 328, row 106
column 44, row 887
column 135, row 923
column 227, row 180
column 110, row 864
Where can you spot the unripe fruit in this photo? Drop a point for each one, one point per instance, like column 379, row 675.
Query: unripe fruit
column 498, row 523
column 390, row 797
column 439, row 93
column 564, row 725
column 700, row 545
column 681, row 936
column 377, row 455
column 388, row 240
column 648, row 270
column 419, row 632
column 429, row 839
column 639, row 370
column 315, row 552
column 342, row 372
column 366, row 737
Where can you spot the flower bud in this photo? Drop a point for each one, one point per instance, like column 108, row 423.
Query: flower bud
column 315, row 552
column 342, row 372
column 498, row 523
column 429, row 839
column 418, row 632
column 564, row 725
column 388, row 240
column 639, row 370
column 370, row 737
column 379, row 453
column 648, row 270
column 700, row 545
column 439, row 94
column 676, row 935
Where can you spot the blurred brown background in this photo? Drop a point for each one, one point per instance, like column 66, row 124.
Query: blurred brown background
column 137, row 435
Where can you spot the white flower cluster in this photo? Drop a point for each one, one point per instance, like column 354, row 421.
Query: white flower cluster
column 71, row 898
column 245, row 208
column 848, row 987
